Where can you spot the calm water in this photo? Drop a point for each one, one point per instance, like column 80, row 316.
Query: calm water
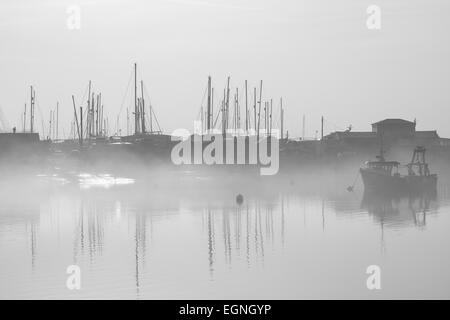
column 188, row 239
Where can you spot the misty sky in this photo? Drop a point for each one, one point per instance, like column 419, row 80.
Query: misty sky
column 317, row 54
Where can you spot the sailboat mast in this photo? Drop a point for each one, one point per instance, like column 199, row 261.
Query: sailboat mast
column 246, row 108
column 24, row 117
column 57, row 120
column 32, row 97
column 97, row 106
column 212, row 108
column 143, row 107
column 227, row 105
column 76, row 120
column 281, row 117
column 88, row 109
column 259, row 112
column 238, row 117
column 208, row 116
column 270, row 117
column 254, row 107
column 303, row 128
column 136, row 115
column 81, row 126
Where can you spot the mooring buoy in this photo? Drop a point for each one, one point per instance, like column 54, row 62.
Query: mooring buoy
column 239, row 199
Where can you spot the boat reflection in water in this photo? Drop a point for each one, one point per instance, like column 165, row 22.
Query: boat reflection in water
column 188, row 237
column 399, row 210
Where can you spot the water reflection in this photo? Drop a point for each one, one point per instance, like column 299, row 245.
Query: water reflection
column 139, row 241
column 245, row 231
column 400, row 211
column 89, row 230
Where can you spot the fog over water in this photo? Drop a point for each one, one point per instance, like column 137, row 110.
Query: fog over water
column 165, row 235
column 89, row 177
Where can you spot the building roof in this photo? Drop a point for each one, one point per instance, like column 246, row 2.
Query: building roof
column 393, row 121
column 351, row 135
column 337, row 135
column 426, row 134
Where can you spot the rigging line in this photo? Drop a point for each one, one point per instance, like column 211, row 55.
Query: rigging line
column 125, row 95
column 42, row 117
column 203, row 100
column 151, row 106
column 151, row 109
column 156, row 119
column 147, row 95
column 85, row 116
column 215, row 122
column 85, row 92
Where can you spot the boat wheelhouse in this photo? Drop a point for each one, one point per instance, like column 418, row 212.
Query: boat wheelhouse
column 384, row 176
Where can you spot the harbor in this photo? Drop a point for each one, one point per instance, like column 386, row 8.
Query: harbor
column 224, row 155
column 92, row 141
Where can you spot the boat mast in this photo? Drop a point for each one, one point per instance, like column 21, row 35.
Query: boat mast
column 270, row 117
column 254, row 107
column 281, row 117
column 227, row 105
column 246, row 108
column 57, row 120
column 212, row 108
column 25, row 118
column 96, row 114
column 76, row 120
column 259, row 111
column 208, row 116
column 237, row 111
column 81, row 126
column 223, row 111
column 49, row 136
column 303, row 128
column 321, row 128
column 32, row 99
column 136, row 115
column 143, row 107
column 89, row 111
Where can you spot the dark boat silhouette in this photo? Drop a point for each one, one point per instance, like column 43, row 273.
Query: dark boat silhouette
column 384, row 176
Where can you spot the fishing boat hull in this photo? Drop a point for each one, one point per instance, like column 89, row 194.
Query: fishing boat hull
column 375, row 181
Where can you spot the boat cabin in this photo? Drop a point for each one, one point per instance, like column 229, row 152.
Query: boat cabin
column 388, row 167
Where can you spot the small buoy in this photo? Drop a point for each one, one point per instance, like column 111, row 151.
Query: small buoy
column 239, row 199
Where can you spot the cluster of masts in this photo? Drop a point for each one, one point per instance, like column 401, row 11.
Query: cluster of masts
column 32, row 108
column 139, row 111
column 231, row 121
column 53, row 119
column 90, row 123
column 95, row 124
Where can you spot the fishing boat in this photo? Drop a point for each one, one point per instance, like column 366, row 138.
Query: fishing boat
column 384, row 176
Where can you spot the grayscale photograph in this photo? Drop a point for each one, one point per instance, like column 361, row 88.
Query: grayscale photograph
column 224, row 150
